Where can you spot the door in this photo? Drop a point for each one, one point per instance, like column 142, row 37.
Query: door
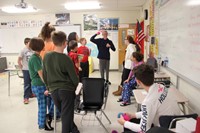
column 122, row 33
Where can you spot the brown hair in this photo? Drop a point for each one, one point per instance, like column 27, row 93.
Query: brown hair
column 46, row 31
column 73, row 44
column 130, row 39
column 82, row 39
column 145, row 74
column 58, row 38
column 26, row 40
column 138, row 56
column 36, row 44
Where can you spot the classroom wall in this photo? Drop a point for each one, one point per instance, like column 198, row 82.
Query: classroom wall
column 77, row 18
column 191, row 92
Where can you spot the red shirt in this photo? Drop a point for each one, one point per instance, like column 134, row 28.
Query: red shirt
column 85, row 52
column 74, row 57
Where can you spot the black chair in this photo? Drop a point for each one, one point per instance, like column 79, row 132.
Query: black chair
column 94, row 94
column 159, row 130
column 169, row 121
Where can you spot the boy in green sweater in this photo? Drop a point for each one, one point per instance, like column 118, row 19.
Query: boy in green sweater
column 61, row 80
column 38, row 86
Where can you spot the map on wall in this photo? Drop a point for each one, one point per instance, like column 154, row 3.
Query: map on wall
column 93, row 49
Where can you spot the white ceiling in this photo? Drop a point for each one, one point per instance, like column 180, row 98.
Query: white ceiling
column 57, row 6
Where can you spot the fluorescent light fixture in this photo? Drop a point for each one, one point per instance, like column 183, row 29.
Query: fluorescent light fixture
column 13, row 9
column 78, row 5
column 193, row 2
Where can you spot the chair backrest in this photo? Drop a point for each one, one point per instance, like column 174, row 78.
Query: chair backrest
column 159, row 130
column 165, row 120
column 93, row 91
column 3, row 63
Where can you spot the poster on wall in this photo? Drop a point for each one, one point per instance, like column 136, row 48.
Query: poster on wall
column 90, row 21
column 22, row 23
column 108, row 23
column 62, row 18
column 130, row 32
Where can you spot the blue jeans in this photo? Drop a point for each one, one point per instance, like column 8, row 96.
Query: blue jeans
column 27, row 84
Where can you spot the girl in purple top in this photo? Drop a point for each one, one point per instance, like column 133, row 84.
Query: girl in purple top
column 130, row 83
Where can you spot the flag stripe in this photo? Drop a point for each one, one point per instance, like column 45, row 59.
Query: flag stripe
column 140, row 33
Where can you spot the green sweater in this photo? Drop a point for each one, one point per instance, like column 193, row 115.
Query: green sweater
column 35, row 65
column 59, row 72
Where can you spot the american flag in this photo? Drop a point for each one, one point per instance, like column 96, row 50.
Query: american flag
column 139, row 33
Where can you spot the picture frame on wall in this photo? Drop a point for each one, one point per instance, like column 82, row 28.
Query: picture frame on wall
column 90, row 21
column 130, row 32
column 62, row 18
column 108, row 23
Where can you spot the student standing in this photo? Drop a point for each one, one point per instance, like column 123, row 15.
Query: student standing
column 157, row 102
column 84, row 64
column 73, row 47
column 71, row 36
column 23, row 58
column 104, row 45
column 38, row 86
column 61, row 80
column 128, row 64
column 45, row 33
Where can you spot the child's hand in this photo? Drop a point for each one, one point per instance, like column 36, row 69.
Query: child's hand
column 80, row 69
column 20, row 66
column 126, row 81
column 46, row 93
column 121, row 120
column 130, row 115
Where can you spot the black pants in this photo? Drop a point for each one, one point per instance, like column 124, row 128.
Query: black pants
column 134, row 120
column 125, row 74
column 85, row 70
column 64, row 101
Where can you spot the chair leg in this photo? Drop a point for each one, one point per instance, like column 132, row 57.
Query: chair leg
column 101, row 123
column 106, row 116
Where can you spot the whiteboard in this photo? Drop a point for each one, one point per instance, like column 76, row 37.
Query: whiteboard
column 12, row 39
column 179, row 26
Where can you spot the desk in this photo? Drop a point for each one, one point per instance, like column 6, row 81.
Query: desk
column 11, row 72
column 161, row 77
column 140, row 95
